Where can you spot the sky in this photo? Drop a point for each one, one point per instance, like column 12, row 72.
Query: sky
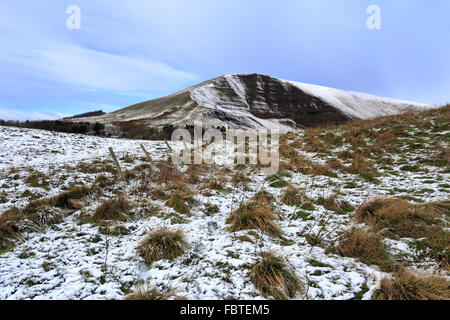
column 126, row 52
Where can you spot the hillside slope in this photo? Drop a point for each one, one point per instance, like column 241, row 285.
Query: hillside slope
column 256, row 101
column 70, row 228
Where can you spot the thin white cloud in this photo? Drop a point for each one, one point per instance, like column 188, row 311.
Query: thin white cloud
column 10, row 114
column 96, row 70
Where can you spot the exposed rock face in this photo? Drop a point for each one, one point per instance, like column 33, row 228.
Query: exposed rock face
column 256, row 101
column 268, row 98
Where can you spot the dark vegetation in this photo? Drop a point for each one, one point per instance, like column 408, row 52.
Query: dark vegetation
column 88, row 114
column 59, row 126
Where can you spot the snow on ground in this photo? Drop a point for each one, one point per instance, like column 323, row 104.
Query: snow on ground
column 21, row 148
column 75, row 261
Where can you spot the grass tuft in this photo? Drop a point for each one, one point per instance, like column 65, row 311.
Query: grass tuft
column 254, row 216
column 272, row 277
column 294, row 197
column 398, row 218
column 163, row 244
column 263, row 198
column 406, row 285
column 150, row 294
column 332, row 203
column 114, row 209
column 70, row 199
column 179, row 203
column 364, row 246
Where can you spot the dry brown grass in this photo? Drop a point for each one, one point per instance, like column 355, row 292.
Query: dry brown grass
column 345, row 154
column 163, row 244
column 38, row 213
column 333, row 203
column 114, row 209
column 159, row 193
column 406, row 285
column 96, row 166
column 194, row 172
column 374, row 138
column 439, row 207
column 33, row 217
column 364, row 246
column 398, row 218
column 360, row 165
column 367, row 211
column 272, row 277
column 102, row 182
column 144, row 175
column 398, row 215
column 179, row 201
column 168, row 173
column 216, row 183
column 263, row 197
column 321, row 170
column 335, row 164
column 313, row 144
column 254, row 216
column 287, row 152
column 9, row 230
column 240, row 178
column 71, row 198
column 294, row 197
column 142, row 293
column 301, row 164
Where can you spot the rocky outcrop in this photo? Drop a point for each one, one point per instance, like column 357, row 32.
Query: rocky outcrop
column 268, row 98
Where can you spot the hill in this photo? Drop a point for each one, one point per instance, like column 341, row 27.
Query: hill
column 253, row 101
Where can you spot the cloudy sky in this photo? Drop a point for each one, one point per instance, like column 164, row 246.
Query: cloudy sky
column 130, row 51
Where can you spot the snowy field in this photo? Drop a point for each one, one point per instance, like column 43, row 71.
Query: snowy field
column 70, row 260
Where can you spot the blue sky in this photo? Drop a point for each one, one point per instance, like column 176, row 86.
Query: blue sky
column 135, row 50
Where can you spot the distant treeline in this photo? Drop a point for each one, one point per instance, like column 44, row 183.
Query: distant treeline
column 130, row 130
column 162, row 133
column 59, row 126
column 88, row 114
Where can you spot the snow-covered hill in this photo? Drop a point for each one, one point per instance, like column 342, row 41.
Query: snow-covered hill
column 257, row 101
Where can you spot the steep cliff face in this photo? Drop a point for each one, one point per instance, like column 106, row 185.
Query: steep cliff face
column 257, row 101
column 267, row 98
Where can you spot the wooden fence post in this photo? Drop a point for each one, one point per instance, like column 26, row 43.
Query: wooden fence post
column 168, row 146
column 170, row 150
column 147, row 154
column 113, row 155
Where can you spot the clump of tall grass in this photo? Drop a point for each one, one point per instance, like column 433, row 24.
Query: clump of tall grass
column 399, row 218
column 273, row 278
column 114, row 209
column 252, row 215
column 142, row 293
column 406, row 285
column 163, row 244
column 364, row 246
column 294, row 197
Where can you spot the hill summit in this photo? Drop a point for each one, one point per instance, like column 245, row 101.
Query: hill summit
column 256, row 101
